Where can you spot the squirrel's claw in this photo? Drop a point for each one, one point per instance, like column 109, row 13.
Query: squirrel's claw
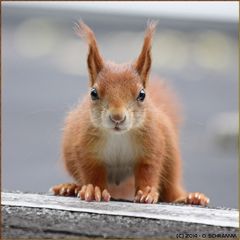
column 147, row 195
column 91, row 193
column 195, row 198
column 65, row 189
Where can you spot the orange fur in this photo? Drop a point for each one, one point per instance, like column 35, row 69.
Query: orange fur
column 140, row 152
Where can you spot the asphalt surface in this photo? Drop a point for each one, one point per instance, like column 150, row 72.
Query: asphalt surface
column 36, row 95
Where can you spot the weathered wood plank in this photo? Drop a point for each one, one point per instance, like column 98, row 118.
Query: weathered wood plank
column 193, row 214
column 46, row 216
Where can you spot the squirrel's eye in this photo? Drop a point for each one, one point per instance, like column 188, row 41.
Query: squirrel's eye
column 141, row 95
column 94, row 94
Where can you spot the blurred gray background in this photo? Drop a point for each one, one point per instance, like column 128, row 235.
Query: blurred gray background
column 44, row 74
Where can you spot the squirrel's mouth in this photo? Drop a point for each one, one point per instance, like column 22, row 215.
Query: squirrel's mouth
column 117, row 128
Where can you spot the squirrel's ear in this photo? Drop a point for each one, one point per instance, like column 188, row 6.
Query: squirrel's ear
column 94, row 61
column 144, row 60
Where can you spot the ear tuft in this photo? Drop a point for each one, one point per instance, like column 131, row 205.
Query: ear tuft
column 151, row 27
column 95, row 61
column 84, row 31
column 143, row 62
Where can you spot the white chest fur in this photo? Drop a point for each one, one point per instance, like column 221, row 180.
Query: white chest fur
column 119, row 154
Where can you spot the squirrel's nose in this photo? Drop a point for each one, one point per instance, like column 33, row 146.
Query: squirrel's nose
column 117, row 118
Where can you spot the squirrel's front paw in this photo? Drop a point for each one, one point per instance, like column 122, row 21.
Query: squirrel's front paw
column 147, row 195
column 197, row 199
column 66, row 189
column 93, row 193
column 194, row 199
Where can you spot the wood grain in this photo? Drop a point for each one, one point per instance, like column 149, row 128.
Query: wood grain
column 182, row 213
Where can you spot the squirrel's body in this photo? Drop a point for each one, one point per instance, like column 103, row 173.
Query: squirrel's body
column 120, row 143
column 120, row 152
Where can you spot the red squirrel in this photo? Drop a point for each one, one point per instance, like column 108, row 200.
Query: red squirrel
column 122, row 140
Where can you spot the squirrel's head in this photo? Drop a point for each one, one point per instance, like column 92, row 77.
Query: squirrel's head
column 117, row 91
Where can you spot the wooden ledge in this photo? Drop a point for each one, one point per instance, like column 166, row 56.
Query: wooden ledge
column 38, row 215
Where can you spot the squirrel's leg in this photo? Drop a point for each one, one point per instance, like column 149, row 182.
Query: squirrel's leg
column 94, row 179
column 66, row 189
column 146, row 182
column 171, row 186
